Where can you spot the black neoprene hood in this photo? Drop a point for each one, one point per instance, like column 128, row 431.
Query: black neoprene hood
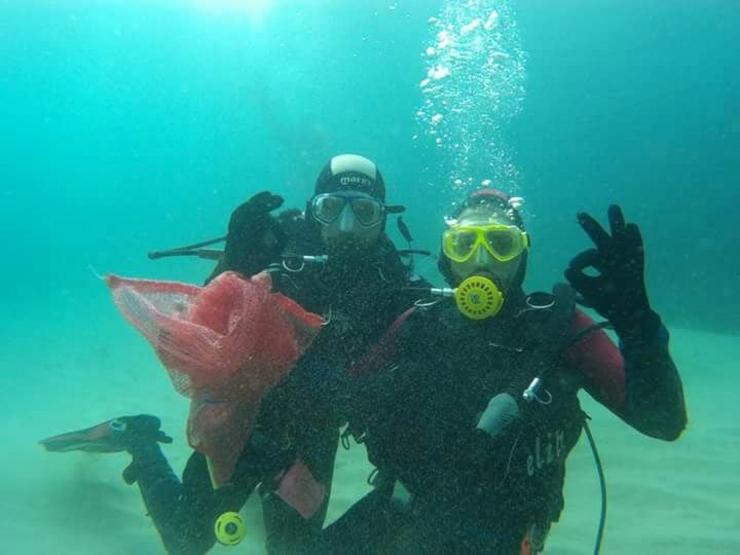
column 351, row 172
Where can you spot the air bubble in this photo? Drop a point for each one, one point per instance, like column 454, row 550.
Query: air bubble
column 473, row 87
column 470, row 27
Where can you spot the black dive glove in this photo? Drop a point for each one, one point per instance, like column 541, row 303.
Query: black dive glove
column 255, row 238
column 129, row 432
column 139, row 436
column 618, row 293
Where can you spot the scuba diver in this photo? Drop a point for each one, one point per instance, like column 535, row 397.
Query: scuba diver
column 334, row 259
column 469, row 408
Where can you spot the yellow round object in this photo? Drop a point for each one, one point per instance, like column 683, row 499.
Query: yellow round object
column 478, row 298
column 230, row 528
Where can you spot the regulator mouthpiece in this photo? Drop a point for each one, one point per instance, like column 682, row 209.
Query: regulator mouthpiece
column 478, row 298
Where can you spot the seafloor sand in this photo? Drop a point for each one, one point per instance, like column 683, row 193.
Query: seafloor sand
column 681, row 498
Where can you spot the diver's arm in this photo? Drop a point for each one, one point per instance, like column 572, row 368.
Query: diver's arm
column 655, row 401
column 639, row 381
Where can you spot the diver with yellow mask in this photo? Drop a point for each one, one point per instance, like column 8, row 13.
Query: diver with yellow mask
column 470, row 408
column 484, row 258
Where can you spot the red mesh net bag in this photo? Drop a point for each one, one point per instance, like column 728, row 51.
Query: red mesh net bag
column 224, row 346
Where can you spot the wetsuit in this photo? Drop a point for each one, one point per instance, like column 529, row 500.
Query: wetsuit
column 445, row 486
column 299, row 418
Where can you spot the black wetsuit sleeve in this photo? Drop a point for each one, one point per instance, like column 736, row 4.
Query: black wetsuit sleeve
column 654, row 402
column 638, row 381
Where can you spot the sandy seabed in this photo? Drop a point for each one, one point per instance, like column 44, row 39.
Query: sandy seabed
column 677, row 498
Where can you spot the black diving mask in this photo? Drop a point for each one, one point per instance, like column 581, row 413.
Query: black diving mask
column 368, row 211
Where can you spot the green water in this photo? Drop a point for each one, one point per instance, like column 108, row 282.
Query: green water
column 130, row 126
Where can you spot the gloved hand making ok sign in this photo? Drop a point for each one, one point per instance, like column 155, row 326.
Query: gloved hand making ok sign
column 618, row 291
column 255, row 237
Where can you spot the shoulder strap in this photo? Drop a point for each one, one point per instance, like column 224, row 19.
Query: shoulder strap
column 383, row 351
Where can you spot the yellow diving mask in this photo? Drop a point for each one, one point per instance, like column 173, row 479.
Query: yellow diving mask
column 503, row 242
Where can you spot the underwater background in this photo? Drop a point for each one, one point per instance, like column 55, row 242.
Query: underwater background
column 139, row 125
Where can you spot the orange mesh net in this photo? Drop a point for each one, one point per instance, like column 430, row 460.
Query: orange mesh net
column 224, row 346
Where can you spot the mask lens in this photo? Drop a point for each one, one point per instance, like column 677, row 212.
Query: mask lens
column 505, row 243
column 501, row 242
column 459, row 244
column 326, row 208
column 368, row 211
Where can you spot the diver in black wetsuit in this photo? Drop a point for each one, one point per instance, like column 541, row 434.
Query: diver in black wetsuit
column 469, row 418
column 335, row 260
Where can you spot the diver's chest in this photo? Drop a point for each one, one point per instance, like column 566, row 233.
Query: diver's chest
column 484, row 362
column 463, row 385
